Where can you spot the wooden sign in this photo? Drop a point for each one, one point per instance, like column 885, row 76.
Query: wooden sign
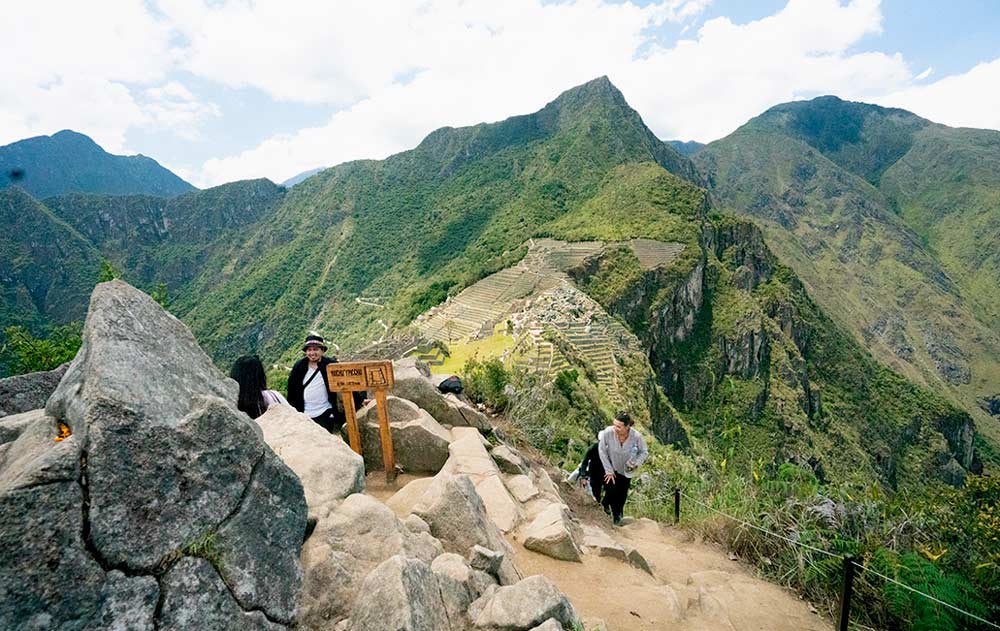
column 349, row 377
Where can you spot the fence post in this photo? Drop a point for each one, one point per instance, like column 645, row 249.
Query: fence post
column 677, row 505
column 846, row 592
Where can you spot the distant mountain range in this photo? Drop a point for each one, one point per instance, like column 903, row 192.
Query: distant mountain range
column 893, row 223
column 69, row 162
column 295, row 179
column 252, row 265
column 686, row 148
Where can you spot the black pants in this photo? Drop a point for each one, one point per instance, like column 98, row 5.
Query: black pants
column 330, row 421
column 616, row 494
column 597, row 482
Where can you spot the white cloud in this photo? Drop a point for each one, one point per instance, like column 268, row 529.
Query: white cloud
column 970, row 99
column 705, row 87
column 76, row 65
column 394, row 71
column 474, row 61
column 172, row 106
column 484, row 61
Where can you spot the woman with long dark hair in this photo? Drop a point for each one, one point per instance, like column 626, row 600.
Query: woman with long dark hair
column 254, row 398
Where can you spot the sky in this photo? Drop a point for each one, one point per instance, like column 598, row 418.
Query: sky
column 233, row 89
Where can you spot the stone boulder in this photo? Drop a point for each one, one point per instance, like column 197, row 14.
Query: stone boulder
column 194, row 598
column 523, row 606
column 22, row 393
column 328, row 468
column 553, row 534
column 468, row 456
column 457, row 516
column 141, row 461
column 419, row 442
column 460, row 585
column 598, row 542
column 508, row 460
column 12, row 426
column 400, row 594
column 413, row 383
column 359, row 534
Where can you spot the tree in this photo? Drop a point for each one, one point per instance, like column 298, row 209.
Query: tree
column 108, row 272
column 22, row 352
column 160, row 295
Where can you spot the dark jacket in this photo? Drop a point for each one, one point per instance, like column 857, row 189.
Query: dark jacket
column 296, row 392
column 591, row 464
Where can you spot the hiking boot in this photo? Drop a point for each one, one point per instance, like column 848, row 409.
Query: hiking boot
column 618, row 521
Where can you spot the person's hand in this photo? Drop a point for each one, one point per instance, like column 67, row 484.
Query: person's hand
column 609, row 478
column 583, row 482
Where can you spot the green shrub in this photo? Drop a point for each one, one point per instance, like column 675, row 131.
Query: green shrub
column 22, row 352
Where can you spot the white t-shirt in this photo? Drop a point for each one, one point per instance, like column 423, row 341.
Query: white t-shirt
column 317, row 400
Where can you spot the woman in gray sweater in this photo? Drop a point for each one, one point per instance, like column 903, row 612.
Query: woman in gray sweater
column 622, row 451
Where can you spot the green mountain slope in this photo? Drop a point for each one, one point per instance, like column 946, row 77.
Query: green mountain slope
column 47, row 268
column 816, row 174
column 947, row 189
column 69, row 162
column 406, row 230
column 155, row 239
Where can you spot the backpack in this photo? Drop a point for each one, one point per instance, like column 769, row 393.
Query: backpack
column 451, row 384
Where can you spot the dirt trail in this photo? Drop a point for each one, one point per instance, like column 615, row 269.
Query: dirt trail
column 694, row 587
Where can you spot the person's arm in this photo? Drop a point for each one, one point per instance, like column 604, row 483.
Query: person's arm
column 296, row 393
column 602, row 449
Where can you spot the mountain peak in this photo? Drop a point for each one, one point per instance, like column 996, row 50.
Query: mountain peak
column 71, row 162
column 865, row 139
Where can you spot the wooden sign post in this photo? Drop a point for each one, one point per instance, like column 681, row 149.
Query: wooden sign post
column 349, row 377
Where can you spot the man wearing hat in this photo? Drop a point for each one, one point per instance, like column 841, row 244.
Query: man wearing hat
column 308, row 390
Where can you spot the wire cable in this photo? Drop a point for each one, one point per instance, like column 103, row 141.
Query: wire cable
column 764, row 530
column 837, row 556
column 928, row 596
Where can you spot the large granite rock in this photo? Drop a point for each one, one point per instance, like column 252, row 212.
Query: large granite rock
column 468, row 457
column 460, row 585
column 457, row 516
column 194, row 598
column 419, row 442
column 348, row 544
column 553, row 534
column 413, row 383
column 139, row 461
column 400, row 594
column 522, row 606
column 21, row 393
column 328, row 468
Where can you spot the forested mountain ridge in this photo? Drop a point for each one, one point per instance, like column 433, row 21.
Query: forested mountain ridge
column 70, row 162
column 847, row 197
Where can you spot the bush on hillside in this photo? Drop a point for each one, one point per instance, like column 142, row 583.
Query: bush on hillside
column 22, row 352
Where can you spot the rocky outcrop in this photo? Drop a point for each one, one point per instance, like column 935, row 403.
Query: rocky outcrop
column 345, row 547
column 141, row 463
column 457, row 516
column 400, row 593
column 22, row 393
column 328, row 469
column 523, row 606
column 554, row 534
column 413, row 383
column 991, row 404
column 420, row 443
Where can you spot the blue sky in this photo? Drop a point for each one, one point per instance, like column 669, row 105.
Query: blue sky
column 233, row 89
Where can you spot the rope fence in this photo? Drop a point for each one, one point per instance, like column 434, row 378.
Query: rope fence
column 849, row 566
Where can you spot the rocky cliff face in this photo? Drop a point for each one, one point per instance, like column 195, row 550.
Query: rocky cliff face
column 141, row 497
column 745, row 355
